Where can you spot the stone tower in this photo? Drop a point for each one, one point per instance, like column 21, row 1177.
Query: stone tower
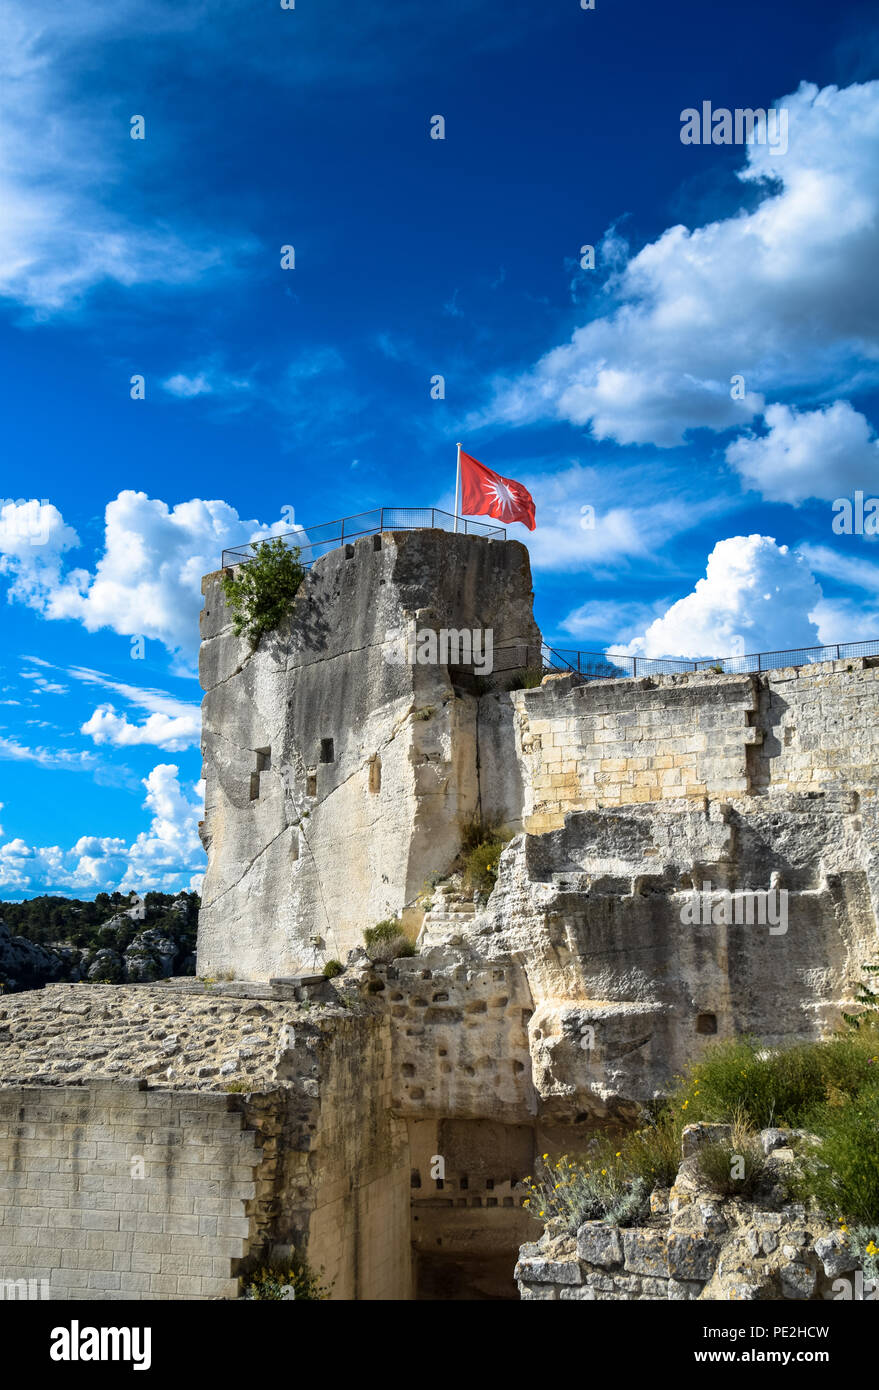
column 338, row 773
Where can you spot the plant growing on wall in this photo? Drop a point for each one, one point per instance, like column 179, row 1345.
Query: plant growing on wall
column 387, row 941
column 261, row 594
column 868, row 996
column 481, row 848
column 292, row 1278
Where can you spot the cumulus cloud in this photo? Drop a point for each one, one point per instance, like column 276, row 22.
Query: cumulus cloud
column 147, row 582
column 166, row 857
column 34, row 539
column 783, row 295
column 812, row 453
column 159, row 730
column 756, row 596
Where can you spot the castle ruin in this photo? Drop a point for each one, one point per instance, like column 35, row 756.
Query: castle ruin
column 272, row 1107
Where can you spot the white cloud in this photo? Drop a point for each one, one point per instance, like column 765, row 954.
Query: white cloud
column 172, row 724
column 597, row 616
column 65, row 160
column 40, row 683
column 33, row 541
column 159, row 730
column 166, row 857
column 186, row 386
column 147, row 582
column 786, row 294
column 209, row 381
column 756, row 596
column 814, row 453
column 852, row 570
column 12, row 751
column 571, row 500
column 844, row 618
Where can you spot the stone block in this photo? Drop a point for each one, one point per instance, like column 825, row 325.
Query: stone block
column 644, row 1251
column 599, row 1244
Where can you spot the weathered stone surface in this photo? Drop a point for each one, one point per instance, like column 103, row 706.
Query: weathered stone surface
column 683, row 1291
column 538, row 1271
column 599, row 1244
column 338, row 774
column 695, row 1137
column 644, row 1251
column 690, row 1257
column 835, row 1255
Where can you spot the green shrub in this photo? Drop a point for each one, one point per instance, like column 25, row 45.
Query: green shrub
column 654, row 1151
column 387, row 941
column 588, row 1188
column 773, row 1088
column 841, row 1172
column 481, row 848
column 270, row 1281
column 829, row 1088
column 332, row 968
column 262, row 593
column 869, row 997
column 529, row 678
column 733, row 1167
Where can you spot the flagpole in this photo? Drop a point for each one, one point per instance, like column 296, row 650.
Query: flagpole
column 457, row 485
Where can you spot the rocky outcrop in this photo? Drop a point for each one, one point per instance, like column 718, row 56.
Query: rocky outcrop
column 697, row 1245
column 632, row 967
column 152, row 954
column 26, row 965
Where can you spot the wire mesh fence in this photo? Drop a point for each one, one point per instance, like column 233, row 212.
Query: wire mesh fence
column 314, row 541
column 613, row 665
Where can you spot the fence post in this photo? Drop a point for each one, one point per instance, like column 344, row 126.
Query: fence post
column 634, row 667
column 381, row 518
column 837, row 651
column 759, row 659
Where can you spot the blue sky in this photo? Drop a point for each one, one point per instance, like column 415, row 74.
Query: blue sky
column 309, row 388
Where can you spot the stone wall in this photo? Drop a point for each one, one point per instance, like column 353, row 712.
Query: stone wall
column 658, row 739
column 338, row 774
column 696, row 1245
column 111, row 1192
column 113, row 1187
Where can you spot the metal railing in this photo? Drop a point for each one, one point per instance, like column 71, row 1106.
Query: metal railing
column 314, row 541
column 615, row 665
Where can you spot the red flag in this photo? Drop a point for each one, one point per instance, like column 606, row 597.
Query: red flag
column 484, row 493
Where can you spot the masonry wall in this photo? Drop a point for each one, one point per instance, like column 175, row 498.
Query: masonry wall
column 624, row 742
column 74, row 1211
column 110, row 1190
column 358, row 1226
